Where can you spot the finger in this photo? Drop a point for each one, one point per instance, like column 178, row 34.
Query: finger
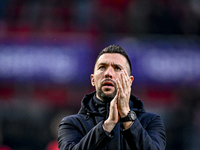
column 115, row 99
column 124, row 80
column 116, row 96
column 120, row 89
column 127, row 77
column 128, row 80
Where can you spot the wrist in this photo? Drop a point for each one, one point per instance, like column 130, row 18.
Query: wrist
column 127, row 124
column 108, row 125
column 124, row 113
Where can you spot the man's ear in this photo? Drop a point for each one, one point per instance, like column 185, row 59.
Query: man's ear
column 92, row 79
column 131, row 79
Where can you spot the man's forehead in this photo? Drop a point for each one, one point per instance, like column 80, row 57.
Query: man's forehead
column 112, row 58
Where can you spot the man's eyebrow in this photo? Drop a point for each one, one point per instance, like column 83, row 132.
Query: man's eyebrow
column 102, row 64
column 118, row 65
column 113, row 64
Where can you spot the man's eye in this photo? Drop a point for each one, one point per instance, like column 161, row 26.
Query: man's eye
column 118, row 69
column 102, row 67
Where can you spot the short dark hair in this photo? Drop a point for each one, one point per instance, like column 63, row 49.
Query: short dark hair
column 115, row 49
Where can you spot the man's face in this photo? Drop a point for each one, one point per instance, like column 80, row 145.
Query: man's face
column 107, row 70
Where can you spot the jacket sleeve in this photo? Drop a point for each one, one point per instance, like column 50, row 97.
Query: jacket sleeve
column 71, row 136
column 150, row 137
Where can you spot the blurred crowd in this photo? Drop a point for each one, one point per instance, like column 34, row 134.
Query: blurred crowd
column 101, row 16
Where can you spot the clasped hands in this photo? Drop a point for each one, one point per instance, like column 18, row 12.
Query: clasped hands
column 119, row 106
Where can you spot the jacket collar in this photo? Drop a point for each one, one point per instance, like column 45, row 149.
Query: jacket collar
column 88, row 105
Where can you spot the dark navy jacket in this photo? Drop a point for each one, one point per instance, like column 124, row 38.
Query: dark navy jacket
column 84, row 131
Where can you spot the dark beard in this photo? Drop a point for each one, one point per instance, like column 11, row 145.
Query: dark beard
column 105, row 97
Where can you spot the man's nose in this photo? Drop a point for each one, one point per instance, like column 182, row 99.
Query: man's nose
column 109, row 73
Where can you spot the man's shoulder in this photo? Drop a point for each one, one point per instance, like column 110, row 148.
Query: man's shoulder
column 72, row 118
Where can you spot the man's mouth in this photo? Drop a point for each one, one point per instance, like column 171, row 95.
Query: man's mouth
column 108, row 84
